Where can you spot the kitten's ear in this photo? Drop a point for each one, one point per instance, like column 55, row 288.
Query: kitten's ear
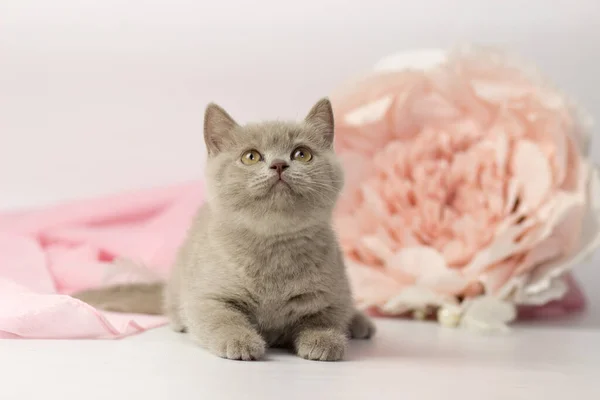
column 218, row 127
column 321, row 117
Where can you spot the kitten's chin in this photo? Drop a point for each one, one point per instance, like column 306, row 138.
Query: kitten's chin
column 273, row 223
column 279, row 194
column 280, row 186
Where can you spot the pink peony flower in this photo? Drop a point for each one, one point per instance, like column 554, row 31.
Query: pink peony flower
column 466, row 178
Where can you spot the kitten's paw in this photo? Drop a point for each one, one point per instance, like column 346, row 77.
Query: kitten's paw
column 242, row 345
column 321, row 345
column 361, row 327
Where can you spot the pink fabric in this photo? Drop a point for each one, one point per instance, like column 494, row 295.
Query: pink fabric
column 44, row 255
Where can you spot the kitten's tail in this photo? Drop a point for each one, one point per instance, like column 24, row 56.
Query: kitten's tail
column 136, row 298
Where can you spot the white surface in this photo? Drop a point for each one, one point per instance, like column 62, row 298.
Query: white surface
column 406, row 360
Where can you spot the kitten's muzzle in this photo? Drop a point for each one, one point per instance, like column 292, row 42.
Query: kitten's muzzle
column 279, row 166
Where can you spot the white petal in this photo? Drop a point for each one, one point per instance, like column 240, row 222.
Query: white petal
column 419, row 261
column 378, row 247
column 503, row 245
column 498, row 92
column 563, row 204
column 553, row 289
column 370, row 286
column 501, row 147
column 415, row 297
column 511, row 196
column 369, row 113
column 561, row 149
column 487, row 314
column 450, row 282
column 549, row 249
column 531, row 287
column 551, row 99
column 434, row 107
column 374, row 202
column 531, row 169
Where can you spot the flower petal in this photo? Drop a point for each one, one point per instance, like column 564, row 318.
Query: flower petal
column 531, row 168
column 378, row 247
column 371, row 112
column 505, row 244
column 498, row 92
column 512, row 193
column 419, row 261
column 449, row 282
column 433, row 107
column 374, row 202
column 415, row 298
column 494, row 278
column 370, row 286
column 487, row 314
column 523, row 289
column 553, row 289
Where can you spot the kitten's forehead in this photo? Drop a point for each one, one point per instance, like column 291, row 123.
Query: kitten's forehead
column 276, row 135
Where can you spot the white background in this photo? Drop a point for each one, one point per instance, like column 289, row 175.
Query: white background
column 100, row 96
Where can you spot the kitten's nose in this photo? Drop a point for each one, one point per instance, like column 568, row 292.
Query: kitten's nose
column 279, row 166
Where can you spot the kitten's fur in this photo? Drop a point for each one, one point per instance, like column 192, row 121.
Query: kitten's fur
column 261, row 265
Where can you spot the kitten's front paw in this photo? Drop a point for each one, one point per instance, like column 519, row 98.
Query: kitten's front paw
column 361, row 327
column 321, row 345
column 241, row 345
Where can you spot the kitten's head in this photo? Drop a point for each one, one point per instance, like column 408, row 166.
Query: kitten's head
column 273, row 169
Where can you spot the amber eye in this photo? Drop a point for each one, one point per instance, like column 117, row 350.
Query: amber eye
column 251, row 157
column 302, row 154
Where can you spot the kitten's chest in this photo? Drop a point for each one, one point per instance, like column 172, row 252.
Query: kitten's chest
column 278, row 272
column 283, row 257
column 281, row 302
column 287, row 280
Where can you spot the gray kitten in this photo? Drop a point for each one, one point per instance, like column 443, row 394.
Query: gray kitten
column 261, row 265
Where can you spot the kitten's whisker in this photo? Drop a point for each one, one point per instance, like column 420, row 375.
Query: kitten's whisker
column 319, row 194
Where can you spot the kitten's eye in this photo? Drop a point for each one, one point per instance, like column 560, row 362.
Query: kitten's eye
column 251, row 157
column 302, row 154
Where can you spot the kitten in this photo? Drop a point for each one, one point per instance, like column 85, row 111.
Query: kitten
column 261, row 265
